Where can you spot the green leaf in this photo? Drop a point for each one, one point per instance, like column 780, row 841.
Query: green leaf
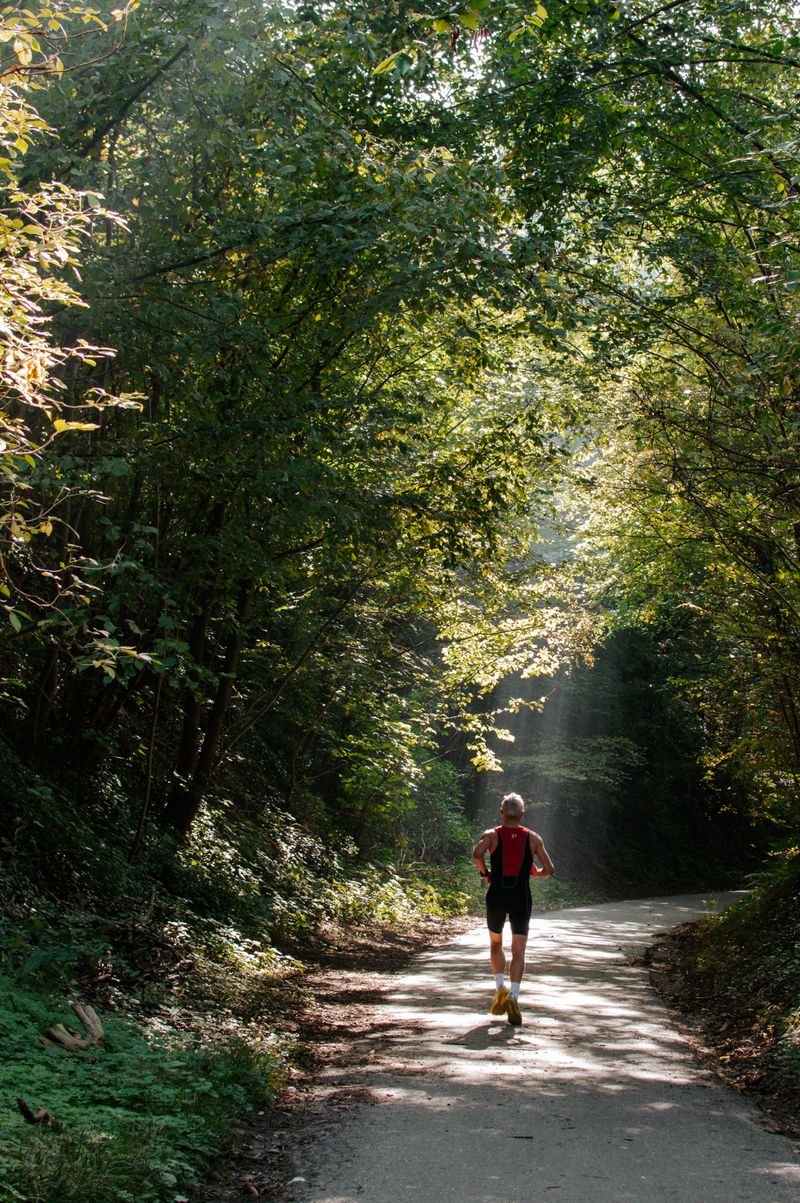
column 60, row 426
column 387, row 64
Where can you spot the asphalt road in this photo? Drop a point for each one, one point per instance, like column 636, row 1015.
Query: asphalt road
column 595, row 1099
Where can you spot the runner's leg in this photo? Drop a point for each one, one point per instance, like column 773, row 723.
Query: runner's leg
column 497, row 957
column 518, row 944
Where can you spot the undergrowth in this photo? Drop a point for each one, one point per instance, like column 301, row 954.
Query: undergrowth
column 749, row 959
column 141, row 1112
column 189, row 955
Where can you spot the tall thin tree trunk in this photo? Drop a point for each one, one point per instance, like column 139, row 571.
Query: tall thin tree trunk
column 306, row 741
column 148, row 787
column 789, row 712
column 43, row 693
column 189, row 744
column 188, row 747
column 216, row 718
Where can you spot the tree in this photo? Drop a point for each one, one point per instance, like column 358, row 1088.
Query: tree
column 50, row 388
column 334, row 459
column 654, row 151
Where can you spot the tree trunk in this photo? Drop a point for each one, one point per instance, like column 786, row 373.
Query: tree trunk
column 177, row 807
column 148, row 785
column 789, row 712
column 306, row 741
column 43, row 693
column 206, row 759
column 178, row 811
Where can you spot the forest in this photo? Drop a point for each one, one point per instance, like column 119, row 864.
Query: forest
column 401, row 406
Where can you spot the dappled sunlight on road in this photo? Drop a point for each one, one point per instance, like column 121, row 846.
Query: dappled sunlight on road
column 595, row 1099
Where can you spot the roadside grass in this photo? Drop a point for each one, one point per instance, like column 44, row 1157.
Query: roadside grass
column 142, row 1112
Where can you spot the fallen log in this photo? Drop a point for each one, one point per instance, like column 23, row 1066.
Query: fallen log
column 70, row 1038
column 40, row 1116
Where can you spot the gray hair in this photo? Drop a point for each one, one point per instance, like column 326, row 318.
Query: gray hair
column 513, row 806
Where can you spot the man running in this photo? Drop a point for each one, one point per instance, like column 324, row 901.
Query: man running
column 513, row 853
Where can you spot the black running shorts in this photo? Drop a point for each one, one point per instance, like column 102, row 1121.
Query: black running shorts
column 516, row 907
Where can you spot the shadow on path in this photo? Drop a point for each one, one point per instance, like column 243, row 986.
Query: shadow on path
column 595, row 1099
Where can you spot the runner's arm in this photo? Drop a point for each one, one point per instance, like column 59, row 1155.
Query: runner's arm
column 485, row 844
column 540, row 854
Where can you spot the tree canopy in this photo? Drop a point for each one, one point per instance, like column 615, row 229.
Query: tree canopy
column 429, row 361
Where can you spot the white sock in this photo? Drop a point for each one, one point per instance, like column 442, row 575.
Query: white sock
column 499, row 981
column 514, row 988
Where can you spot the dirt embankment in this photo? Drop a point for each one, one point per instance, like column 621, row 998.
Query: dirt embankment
column 727, row 1037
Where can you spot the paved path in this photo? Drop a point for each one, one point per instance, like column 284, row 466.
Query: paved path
column 595, row 1099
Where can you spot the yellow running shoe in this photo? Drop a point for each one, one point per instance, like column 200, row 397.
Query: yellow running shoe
column 501, row 997
column 513, row 1011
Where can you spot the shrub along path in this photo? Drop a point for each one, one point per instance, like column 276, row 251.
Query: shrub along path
column 597, row 1098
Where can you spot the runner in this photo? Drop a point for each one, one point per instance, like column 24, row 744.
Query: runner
column 513, row 853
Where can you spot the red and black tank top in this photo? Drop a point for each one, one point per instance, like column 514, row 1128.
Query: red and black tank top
column 511, row 860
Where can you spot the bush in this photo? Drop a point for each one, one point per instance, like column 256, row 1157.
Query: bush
column 434, row 830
